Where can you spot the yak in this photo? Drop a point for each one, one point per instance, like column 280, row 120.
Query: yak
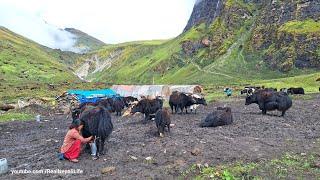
column 96, row 121
column 298, row 90
column 162, row 119
column 219, row 117
column 179, row 100
column 147, row 107
column 118, row 105
column 128, row 100
column 269, row 100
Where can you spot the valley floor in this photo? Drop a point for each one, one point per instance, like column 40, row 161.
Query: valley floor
column 251, row 138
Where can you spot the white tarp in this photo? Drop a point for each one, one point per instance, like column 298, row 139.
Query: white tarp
column 154, row 90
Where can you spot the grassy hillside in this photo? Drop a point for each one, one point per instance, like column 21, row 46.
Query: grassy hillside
column 25, row 66
column 215, row 55
column 234, row 50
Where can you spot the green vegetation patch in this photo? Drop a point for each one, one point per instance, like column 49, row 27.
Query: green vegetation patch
column 301, row 27
column 15, row 116
column 288, row 166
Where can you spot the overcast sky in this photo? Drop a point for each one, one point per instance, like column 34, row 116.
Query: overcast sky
column 112, row 21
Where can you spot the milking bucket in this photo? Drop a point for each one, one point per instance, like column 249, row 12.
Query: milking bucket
column 38, row 118
column 3, row 166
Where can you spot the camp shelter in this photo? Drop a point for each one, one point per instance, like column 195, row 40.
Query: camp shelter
column 154, row 90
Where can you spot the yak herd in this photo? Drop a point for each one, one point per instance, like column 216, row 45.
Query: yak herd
column 97, row 122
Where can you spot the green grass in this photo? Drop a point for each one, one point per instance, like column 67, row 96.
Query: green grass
column 288, row 166
column 15, row 116
column 27, row 68
column 22, row 60
column 227, row 63
column 301, row 27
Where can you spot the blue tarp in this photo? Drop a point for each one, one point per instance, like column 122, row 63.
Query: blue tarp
column 92, row 95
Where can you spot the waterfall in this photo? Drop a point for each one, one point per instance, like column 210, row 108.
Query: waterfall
column 217, row 9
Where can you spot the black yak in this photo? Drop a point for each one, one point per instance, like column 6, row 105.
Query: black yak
column 220, row 117
column 270, row 100
column 162, row 119
column 96, row 121
column 107, row 104
column 298, row 90
column 179, row 100
column 118, row 105
column 147, row 107
column 129, row 100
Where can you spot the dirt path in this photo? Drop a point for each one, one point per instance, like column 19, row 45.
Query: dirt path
column 252, row 137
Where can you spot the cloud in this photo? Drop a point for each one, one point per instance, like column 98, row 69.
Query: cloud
column 36, row 29
column 112, row 21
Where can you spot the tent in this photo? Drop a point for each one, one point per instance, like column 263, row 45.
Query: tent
column 154, row 90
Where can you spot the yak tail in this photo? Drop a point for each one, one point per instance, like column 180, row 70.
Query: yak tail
column 105, row 125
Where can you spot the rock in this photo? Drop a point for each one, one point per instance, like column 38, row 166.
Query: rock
column 180, row 162
column 206, row 165
column 108, row 170
column 172, row 125
column 149, row 158
column 206, row 42
column 133, row 157
column 195, row 151
column 316, row 165
column 6, row 107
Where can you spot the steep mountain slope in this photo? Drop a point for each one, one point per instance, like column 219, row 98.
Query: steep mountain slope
column 287, row 35
column 204, row 12
column 26, row 65
column 23, row 60
column 225, row 42
column 85, row 42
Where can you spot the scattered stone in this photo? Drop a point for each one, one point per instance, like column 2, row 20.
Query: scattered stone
column 149, row 158
column 303, row 154
column 206, row 42
column 172, row 125
column 165, row 151
column 108, row 170
column 316, row 165
column 180, row 162
column 133, row 157
column 195, row 151
column 55, row 128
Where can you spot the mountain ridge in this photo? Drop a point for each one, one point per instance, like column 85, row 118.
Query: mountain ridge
column 84, row 41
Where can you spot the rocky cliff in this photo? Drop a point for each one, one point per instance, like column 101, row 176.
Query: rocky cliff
column 288, row 32
column 204, row 11
column 284, row 34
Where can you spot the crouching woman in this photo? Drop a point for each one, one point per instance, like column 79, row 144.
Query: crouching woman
column 72, row 142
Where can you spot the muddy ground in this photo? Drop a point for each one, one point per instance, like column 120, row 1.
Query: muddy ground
column 252, row 137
